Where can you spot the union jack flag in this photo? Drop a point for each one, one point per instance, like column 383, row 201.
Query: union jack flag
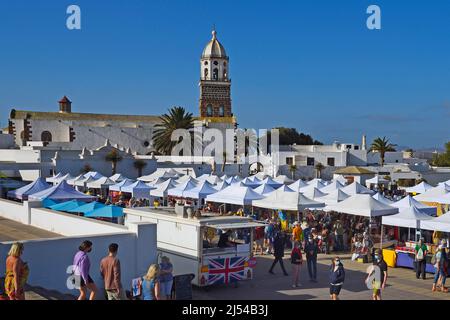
column 226, row 270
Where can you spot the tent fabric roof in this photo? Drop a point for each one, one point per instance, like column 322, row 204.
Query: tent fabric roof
column 87, row 207
column 235, row 194
column 34, row 187
column 94, row 174
column 332, row 186
column 433, row 194
column 264, row 189
column 283, row 179
column 297, row 185
column 353, row 170
column 255, row 182
column 106, row 212
column 271, row 182
column 139, row 189
column 62, row 178
column 118, row 177
column 102, row 183
column 200, row 191
column 67, row 206
column 312, row 192
column 61, row 192
column 221, row 185
column 118, row 186
column 356, row 188
column 317, row 183
column 407, row 218
column 334, row 197
column 409, row 201
column 292, row 201
column 179, row 190
column 85, row 181
column 362, row 205
column 378, row 196
column 420, row 188
column 377, row 180
column 73, row 180
column 163, row 188
column 52, row 179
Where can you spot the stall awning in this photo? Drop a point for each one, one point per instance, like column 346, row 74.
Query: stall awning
column 244, row 225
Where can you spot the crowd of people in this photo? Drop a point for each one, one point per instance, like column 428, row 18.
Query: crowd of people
column 156, row 284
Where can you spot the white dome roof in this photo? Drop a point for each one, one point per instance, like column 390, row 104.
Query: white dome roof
column 214, row 49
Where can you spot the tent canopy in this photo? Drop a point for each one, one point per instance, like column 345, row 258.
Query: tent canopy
column 118, row 177
column 378, row 196
column 409, row 201
column 34, row 187
column 334, row 197
column 362, row 205
column 433, row 194
column 87, row 207
column 297, row 185
column 264, row 189
column 271, row 182
column 235, row 194
column 102, row 183
column 356, row 188
column 407, row 218
column 312, row 192
column 106, row 212
column 332, row 186
column 67, row 206
column 292, row 201
column 139, row 189
column 201, row 191
column 283, row 179
column 61, row 192
column 163, row 188
column 377, row 180
column 317, row 183
column 93, row 174
column 181, row 188
column 420, row 188
column 118, row 186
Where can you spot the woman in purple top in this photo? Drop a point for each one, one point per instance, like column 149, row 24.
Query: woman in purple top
column 82, row 265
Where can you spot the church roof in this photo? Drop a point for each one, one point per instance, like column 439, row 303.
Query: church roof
column 353, row 170
column 37, row 115
column 214, row 49
column 65, row 100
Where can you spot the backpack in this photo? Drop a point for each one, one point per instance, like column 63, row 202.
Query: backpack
column 419, row 255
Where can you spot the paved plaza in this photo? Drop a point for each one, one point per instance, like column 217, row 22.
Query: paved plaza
column 402, row 285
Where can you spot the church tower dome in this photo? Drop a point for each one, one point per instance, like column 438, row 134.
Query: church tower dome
column 215, row 84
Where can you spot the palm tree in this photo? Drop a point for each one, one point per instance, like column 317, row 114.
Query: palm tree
column 382, row 146
column 114, row 157
column 2, row 175
column 177, row 118
column 292, row 170
column 319, row 167
column 139, row 165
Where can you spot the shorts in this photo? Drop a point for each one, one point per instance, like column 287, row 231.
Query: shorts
column 335, row 289
column 166, row 288
column 83, row 284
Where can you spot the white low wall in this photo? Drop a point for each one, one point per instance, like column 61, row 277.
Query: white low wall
column 14, row 211
column 49, row 259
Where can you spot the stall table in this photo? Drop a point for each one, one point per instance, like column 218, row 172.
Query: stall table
column 405, row 258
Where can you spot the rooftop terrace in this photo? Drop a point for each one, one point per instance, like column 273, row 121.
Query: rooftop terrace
column 15, row 231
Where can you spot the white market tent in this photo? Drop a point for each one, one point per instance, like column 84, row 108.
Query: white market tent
column 160, row 173
column 62, row 178
column 221, row 185
column 433, row 194
column 420, row 188
column 334, row 197
column 251, row 183
column 234, row 179
column 285, row 188
column 163, row 188
column 61, row 192
column 118, row 177
column 441, row 223
column 409, row 201
column 138, row 189
column 362, row 205
column 271, row 182
column 332, row 186
column 118, row 186
column 34, row 187
column 93, row 174
column 264, row 189
column 180, row 189
column 318, row 183
column 407, row 218
column 235, row 194
column 156, row 182
column 283, row 179
column 73, row 180
column 186, row 179
column 445, row 199
column 340, row 179
column 378, row 196
column 102, row 183
column 52, row 179
column 202, row 190
column 376, row 180
column 84, row 182
column 292, row 201
column 312, row 193
column 297, row 185
column 356, row 188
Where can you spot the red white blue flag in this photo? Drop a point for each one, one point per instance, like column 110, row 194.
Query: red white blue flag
column 226, row 270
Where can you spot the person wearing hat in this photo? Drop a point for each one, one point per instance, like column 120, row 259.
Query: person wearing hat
column 440, row 265
column 421, row 251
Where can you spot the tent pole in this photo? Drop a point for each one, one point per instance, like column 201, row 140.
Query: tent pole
column 381, row 238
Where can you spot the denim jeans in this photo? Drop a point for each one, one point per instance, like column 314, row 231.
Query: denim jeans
column 439, row 273
column 312, row 267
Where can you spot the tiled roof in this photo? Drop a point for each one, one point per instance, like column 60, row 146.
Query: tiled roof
column 353, row 170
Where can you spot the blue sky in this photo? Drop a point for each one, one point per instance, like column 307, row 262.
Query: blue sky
column 312, row 65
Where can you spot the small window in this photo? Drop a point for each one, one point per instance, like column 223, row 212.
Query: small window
column 206, row 72
column 349, row 146
column 289, row 161
column 225, row 64
column 206, row 63
column 216, row 63
column 225, row 73
column 209, row 110
column 330, row 162
column 309, row 161
column 221, row 111
column 216, row 74
column 356, row 147
column 146, row 144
